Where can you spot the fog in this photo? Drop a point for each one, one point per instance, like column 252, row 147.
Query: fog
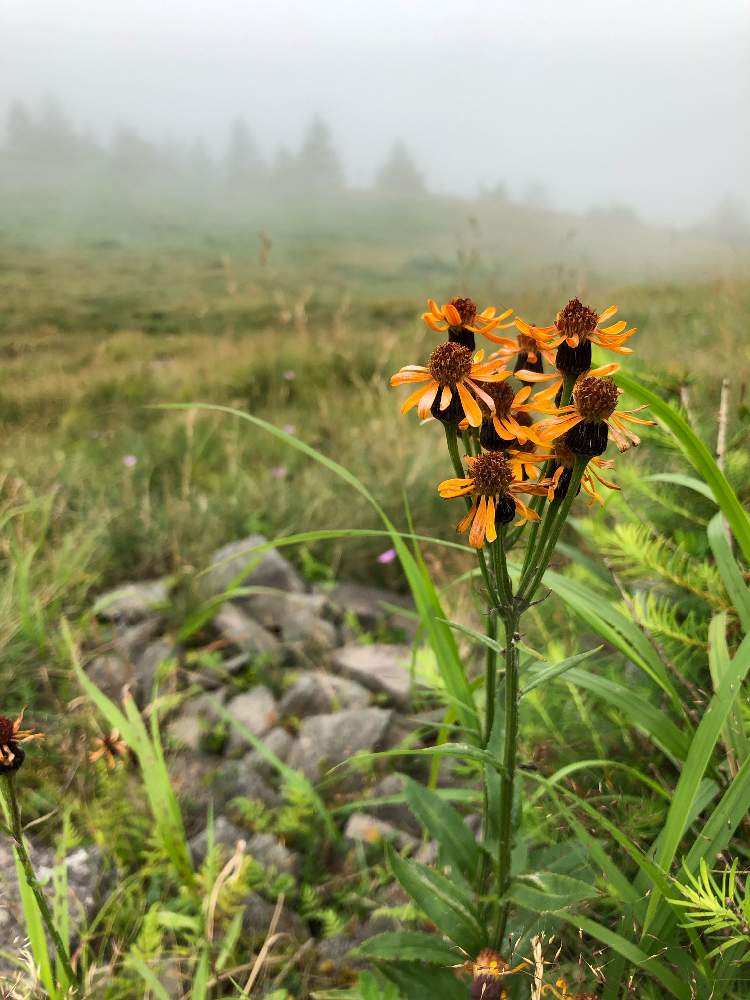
column 584, row 103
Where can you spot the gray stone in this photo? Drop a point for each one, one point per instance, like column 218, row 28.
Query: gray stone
column 132, row 602
column 267, row 569
column 255, row 710
column 257, row 918
column 235, row 779
column 242, row 631
column 397, row 813
column 280, row 743
column 317, row 692
column 268, row 851
column 196, row 716
column 129, row 641
column 148, row 666
column 302, row 620
column 327, row 740
column 363, row 828
column 225, row 834
column 379, row 667
column 368, row 605
column 111, row 673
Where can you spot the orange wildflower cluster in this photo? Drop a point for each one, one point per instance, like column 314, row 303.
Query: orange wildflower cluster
column 527, row 442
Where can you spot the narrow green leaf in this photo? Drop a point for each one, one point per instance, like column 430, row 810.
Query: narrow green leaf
column 545, row 892
column 699, row 457
column 409, row 946
column 442, row 901
column 543, row 675
column 461, row 750
column 731, row 574
column 614, row 626
column 675, row 987
column 444, row 824
column 689, row 482
column 701, row 749
column 418, row 983
column 640, row 712
column 733, row 734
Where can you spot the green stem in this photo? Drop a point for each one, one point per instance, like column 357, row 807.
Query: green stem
column 507, row 775
column 558, row 517
column 31, row 880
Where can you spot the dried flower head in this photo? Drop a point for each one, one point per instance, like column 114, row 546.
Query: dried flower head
column 488, row 973
column 560, row 991
column 454, row 384
column 111, row 747
column 12, row 735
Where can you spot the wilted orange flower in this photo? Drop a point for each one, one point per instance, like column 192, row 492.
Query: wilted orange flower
column 462, row 314
column 495, row 496
column 11, row 735
column 560, row 479
column 488, row 972
column 530, row 345
column 595, row 406
column 451, row 370
column 577, row 323
column 110, row 747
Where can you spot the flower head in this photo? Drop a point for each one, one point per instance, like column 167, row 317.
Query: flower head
column 488, row 972
column 494, row 493
column 510, row 423
column 529, row 347
column 11, row 735
column 111, row 748
column 590, row 415
column 461, row 319
column 451, row 388
column 560, row 480
column 560, row 992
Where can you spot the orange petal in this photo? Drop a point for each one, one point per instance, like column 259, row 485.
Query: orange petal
column 476, row 535
column 423, row 409
column 452, row 315
column 607, row 314
column 470, row 405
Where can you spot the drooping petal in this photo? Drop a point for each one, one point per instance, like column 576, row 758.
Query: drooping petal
column 476, row 535
column 423, row 409
column 491, row 530
column 445, row 397
column 411, row 401
column 470, row 405
column 452, row 314
column 464, row 523
column 607, row 314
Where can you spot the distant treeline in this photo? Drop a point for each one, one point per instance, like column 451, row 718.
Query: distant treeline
column 44, row 147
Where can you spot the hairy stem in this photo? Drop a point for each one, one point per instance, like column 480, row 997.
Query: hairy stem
column 507, row 776
column 31, row 879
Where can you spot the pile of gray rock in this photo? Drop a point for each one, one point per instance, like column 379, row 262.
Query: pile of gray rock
column 317, row 674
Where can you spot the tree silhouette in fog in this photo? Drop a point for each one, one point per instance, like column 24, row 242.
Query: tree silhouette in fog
column 399, row 174
column 244, row 165
column 318, row 166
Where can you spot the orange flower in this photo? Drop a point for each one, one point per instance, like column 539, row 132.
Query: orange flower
column 560, row 479
column 594, row 409
column 530, row 346
column 11, row 735
column 494, row 491
column 462, row 314
column 560, row 992
column 110, row 747
column 451, row 371
column 577, row 323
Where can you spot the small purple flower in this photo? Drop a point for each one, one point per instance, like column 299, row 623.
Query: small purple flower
column 290, row 375
column 388, row 556
column 279, row 471
column 129, row 461
column 289, row 429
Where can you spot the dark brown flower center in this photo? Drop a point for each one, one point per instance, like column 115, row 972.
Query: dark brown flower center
column 466, row 308
column 576, row 319
column 595, row 398
column 527, row 344
column 502, row 396
column 450, row 363
column 6, row 730
column 492, row 474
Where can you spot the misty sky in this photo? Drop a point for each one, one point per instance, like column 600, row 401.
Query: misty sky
column 638, row 101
